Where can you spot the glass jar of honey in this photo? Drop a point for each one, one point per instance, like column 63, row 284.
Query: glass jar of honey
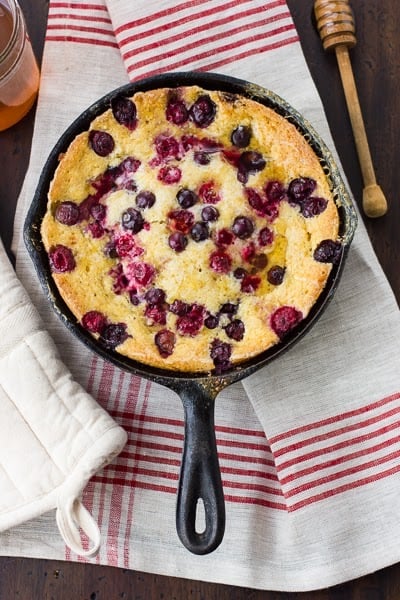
column 19, row 72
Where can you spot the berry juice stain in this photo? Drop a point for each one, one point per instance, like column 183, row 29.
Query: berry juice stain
column 19, row 73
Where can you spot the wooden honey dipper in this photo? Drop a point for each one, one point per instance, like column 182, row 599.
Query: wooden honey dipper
column 335, row 23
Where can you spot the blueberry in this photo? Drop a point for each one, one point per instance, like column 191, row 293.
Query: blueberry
column 145, row 199
column 240, row 136
column 124, row 111
column 328, row 251
column 186, row 198
column 275, row 275
column 199, row 232
column 209, row 213
column 243, row 227
column 132, row 220
column 114, row 334
column 177, row 241
column 203, row 111
column 101, row 142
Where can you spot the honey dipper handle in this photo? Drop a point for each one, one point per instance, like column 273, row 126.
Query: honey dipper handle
column 353, row 105
column 374, row 201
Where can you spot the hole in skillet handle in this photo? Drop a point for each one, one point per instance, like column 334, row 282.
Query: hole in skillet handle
column 200, row 477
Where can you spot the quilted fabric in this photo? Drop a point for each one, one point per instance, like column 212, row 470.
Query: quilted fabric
column 53, row 435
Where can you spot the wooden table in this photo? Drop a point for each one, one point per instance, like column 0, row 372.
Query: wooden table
column 377, row 72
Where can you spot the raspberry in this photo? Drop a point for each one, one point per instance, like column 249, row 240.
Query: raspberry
column 61, row 259
column 284, row 319
column 169, row 174
column 94, row 321
column 220, row 261
column 67, row 213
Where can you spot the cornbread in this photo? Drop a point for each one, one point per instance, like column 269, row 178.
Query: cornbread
column 190, row 229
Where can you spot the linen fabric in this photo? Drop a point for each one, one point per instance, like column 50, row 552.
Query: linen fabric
column 309, row 447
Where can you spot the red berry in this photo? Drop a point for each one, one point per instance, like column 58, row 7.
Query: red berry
column 284, row 319
column 94, row 321
column 220, row 261
column 176, row 111
column 61, row 259
column 208, row 193
column 180, row 220
column 250, row 283
column 67, row 213
column 169, row 174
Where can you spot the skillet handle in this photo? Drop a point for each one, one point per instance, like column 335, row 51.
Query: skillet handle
column 200, row 477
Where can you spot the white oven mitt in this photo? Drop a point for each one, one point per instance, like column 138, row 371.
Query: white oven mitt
column 53, row 435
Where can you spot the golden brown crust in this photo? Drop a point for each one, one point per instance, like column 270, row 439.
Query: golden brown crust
column 186, row 275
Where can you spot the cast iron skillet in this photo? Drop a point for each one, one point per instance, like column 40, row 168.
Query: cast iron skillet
column 200, row 477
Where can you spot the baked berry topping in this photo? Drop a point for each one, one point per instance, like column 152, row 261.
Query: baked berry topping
column 176, row 111
column 155, row 314
column 141, row 273
column 250, row 283
column 125, row 245
column 228, row 308
column 67, row 213
column 180, row 308
column 209, row 213
column 169, row 174
column 203, row 111
column 124, row 111
column 275, row 275
column 94, row 321
column 265, row 236
column 177, row 241
column 284, row 319
column 301, row 188
column 98, row 212
column 220, row 353
column 250, row 162
column 211, row 321
column 155, row 296
column 248, row 252
column 110, row 250
column 208, row 193
column 255, row 200
column 313, row 206
column 167, row 147
column 220, row 261
column 186, row 198
column 180, row 220
column 145, row 199
column 240, row 136
column 274, row 191
column 120, row 280
column 259, row 261
column 114, row 334
column 96, row 229
column 239, row 273
column 328, row 251
column 101, row 142
column 132, row 220
column 243, row 227
column 134, row 298
column 223, row 237
column 192, row 321
column 61, row 259
column 235, row 330
column 165, row 342
column 199, row 232
column 202, row 158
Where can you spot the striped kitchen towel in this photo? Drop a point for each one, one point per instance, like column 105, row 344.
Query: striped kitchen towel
column 309, row 447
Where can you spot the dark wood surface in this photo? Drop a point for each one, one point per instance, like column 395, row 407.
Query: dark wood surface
column 377, row 72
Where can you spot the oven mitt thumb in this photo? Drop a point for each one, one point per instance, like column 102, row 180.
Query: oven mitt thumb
column 53, row 435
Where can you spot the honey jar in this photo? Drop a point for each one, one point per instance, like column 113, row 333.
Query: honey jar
column 19, row 72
